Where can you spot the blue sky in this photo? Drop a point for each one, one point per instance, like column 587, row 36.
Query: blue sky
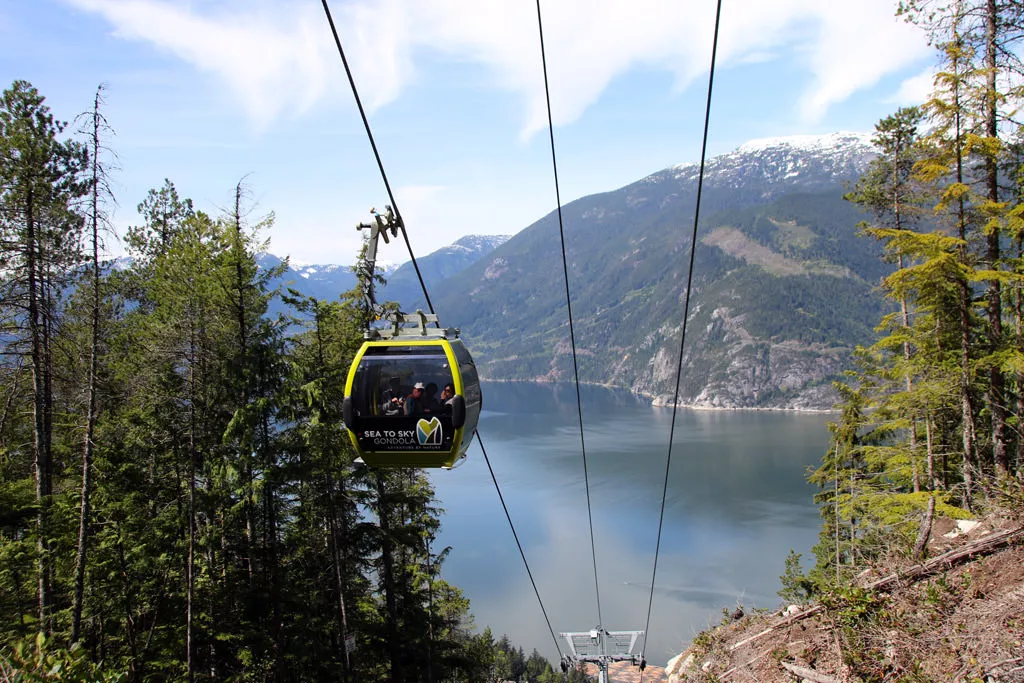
column 206, row 92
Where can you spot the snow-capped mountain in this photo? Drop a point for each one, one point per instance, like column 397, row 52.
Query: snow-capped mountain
column 403, row 285
column 811, row 160
column 783, row 285
column 328, row 281
column 476, row 244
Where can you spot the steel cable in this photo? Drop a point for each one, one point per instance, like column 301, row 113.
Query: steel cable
column 394, row 206
column 376, row 154
column 568, row 303
column 686, row 315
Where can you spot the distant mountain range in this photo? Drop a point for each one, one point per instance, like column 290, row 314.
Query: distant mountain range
column 324, row 281
column 403, row 285
column 783, row 288
column 328, row 281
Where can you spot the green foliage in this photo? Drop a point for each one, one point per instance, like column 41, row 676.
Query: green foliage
column 28, row 661
column 229, row 534
column 705, row 641
column 797, row 587
column 927, row 410
column 850, row 606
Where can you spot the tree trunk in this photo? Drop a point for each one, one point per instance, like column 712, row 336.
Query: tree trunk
column 1018, row 311
column 966, row 405
column 964, row 305
column 933, row 484
column 388, row 582
column 190, row 560
column 243, row 360
column 90, row 389
column 996, row 388
column 925, row 530
column 905, row 313
column 41, row 441
column 336, row 552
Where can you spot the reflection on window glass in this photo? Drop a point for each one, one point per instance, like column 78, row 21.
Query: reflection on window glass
column 400, row 381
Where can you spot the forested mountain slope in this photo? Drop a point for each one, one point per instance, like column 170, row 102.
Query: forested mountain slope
column 783, row 287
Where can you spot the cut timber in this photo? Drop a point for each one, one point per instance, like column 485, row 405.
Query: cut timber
column 802, row 672
column 982, row 546
column 745, row 664
column 788, row 621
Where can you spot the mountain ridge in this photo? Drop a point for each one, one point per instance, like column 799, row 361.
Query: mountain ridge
column 764, row 340
column 783, row 286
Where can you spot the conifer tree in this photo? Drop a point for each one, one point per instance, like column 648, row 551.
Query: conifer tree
column 888, row 191
column 329, row 490
column 216, row 524
column 975, row 97
column 40, row 185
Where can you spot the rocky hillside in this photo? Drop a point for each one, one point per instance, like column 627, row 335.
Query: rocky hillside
column 783, row 286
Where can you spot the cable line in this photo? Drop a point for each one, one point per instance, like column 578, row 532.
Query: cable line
column 376, row 154
column 568, row 303
column 686, row 315
column 394, row 206
column 518, row 544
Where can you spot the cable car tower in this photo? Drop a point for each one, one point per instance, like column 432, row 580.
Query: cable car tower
column 602, row 647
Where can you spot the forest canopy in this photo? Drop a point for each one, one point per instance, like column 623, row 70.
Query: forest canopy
column 178, row 497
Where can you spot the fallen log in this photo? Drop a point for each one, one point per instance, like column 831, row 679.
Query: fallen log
column 982, row 546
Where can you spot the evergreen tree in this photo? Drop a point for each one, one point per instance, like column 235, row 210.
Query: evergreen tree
column 40, row 185
column 216, row 524
column 888, row 190
column 947, row 345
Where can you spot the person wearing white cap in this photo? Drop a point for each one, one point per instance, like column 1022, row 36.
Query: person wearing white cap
column 414, row 401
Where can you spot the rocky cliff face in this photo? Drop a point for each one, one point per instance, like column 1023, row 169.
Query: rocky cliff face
column 750, row 372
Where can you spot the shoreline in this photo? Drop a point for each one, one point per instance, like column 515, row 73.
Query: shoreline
column 656, row 403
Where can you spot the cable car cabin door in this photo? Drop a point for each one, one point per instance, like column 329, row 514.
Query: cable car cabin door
column 393, row 408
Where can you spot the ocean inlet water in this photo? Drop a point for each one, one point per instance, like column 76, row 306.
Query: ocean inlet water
column 736, row 503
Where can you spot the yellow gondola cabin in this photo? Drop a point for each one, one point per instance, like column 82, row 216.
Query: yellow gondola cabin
column 396, row 408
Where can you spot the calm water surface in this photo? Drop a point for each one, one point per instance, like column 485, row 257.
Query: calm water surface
column 737, row 503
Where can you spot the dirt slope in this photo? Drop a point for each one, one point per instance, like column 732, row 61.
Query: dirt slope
column 957, row 617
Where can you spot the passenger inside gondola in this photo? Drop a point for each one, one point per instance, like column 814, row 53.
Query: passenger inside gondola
column 447, row 394
column 393, row 399
column 414, row 403
column 430, row 402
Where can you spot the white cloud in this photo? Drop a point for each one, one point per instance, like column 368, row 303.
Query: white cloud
column 280, row 56
column 916, row 89
column 274, row 58
column 424, row 217
column 855, row 48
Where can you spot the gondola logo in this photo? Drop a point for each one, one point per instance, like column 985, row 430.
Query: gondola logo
column 429, row 432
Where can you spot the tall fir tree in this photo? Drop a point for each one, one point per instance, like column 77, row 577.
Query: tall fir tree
column 40, row 186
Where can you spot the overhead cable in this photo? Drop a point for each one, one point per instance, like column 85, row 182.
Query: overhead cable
column 686, row 316
column 568, row 303
column 376, row 154
column 394, row 206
